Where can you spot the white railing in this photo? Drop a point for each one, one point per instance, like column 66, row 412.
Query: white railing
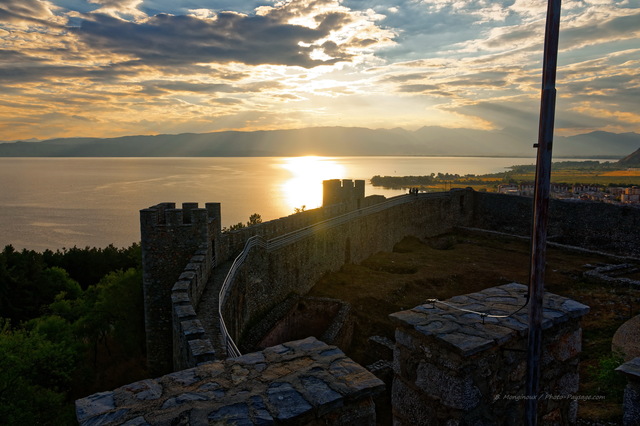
column 295, row 236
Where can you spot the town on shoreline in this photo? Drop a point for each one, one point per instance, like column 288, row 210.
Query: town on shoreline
column 609, row 182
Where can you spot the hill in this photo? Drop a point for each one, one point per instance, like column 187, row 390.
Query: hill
column 631, row 160
column 327, row 141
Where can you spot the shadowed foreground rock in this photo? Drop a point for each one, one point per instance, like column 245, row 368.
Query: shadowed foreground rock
column 305, row 382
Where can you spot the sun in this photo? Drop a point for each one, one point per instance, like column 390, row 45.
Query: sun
column 304, row 188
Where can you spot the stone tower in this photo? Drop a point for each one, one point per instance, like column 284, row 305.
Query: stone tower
column 169, row 238
column 336, row 191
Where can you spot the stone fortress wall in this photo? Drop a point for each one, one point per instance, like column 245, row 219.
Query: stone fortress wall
column 179, row 247
column 183, row 247
column 179, row 254
column 596, row 226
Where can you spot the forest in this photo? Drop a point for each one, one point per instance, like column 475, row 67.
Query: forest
column 71, row 324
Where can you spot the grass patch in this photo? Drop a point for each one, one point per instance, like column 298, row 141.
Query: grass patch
column 461, row 263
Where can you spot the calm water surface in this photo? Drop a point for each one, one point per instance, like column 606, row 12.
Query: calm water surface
column 65, row 202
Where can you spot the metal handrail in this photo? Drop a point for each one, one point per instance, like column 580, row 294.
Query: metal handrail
column 295, row 236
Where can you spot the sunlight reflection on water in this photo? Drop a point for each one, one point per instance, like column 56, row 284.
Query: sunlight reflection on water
column 62, row 202
column 304, row 189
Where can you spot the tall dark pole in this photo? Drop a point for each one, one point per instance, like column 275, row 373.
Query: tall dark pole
column 540, row 209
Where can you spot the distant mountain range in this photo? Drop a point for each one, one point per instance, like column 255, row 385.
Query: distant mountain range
column 326, row 141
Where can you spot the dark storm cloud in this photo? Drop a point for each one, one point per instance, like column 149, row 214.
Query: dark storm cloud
column 483, row 78
column 158, row 87
column 162, row 87
column 17, row 67
column 417, row 88
column 231, row 37
column 598, row 31
column 404, row 77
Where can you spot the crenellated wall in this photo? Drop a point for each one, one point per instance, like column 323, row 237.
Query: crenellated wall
column 337, row 191
column 177, row 245
column 448, row 365
column 181, row 246
column 232, row 242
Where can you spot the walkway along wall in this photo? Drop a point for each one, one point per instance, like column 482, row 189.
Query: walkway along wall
column 293, row 263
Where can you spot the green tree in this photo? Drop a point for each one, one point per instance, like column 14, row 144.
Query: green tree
column 35, row 375
column 27, row 285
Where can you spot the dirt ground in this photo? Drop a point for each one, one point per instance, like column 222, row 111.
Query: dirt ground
column 461, row 263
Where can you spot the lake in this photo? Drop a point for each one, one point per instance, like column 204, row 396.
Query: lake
column 65, row 202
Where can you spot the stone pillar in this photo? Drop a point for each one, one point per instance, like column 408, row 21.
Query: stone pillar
column 453, row 366
column 631, row 404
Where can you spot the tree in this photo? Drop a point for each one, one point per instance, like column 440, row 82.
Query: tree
column 254, row 219
column 35, row 374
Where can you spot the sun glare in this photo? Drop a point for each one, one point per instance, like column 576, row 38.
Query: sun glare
column 304, row 188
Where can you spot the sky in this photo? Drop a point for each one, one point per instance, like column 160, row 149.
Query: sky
column 107, row 68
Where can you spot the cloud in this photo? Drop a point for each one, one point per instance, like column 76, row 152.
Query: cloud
column 30, row 12
column 596, row 31
column 268, row 37
column 417, row 88
column 119, row 8
column 296, row 63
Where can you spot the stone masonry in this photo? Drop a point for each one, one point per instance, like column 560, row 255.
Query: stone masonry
column 631, row 402
column 305, row 382
column 452, row 366
column 178, row 245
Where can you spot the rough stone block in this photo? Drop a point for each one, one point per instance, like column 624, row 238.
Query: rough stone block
column 467, row 368
column 451, row 391
column 567, row 346
column 287, row 401
column 95, row 404
column 192, row 329
column 184, row 312
column 145, row 389
column 306, row 382
column 409, row 407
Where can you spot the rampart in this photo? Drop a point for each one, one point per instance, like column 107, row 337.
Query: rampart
column 178, row 245
column 182, row 247
column 596, row 226
column 297, row 250
column 292, row 263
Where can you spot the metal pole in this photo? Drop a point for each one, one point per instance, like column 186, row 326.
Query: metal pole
column 540, row 210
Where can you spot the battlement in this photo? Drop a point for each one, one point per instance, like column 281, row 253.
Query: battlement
column 166, row 214
column 169, row 238
column 337, row 191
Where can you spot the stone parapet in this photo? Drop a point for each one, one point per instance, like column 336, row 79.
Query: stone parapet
column 451, row 364
column 178, row 244
column 631, row 402
column 305, row 382
column 190, row 345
